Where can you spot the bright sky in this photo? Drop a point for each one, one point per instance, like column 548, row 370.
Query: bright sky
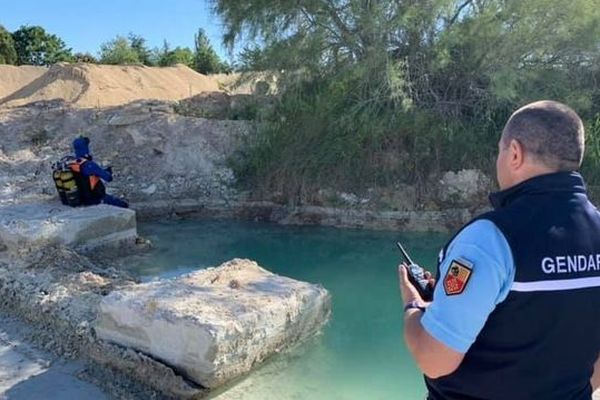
column 85, row 24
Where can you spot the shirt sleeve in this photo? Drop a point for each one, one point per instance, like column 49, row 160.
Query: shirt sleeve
column 91, row 168
column 456, row 319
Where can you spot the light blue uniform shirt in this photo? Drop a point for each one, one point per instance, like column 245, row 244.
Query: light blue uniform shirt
column 456, row 320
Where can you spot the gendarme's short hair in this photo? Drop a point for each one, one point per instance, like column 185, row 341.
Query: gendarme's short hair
column 552, row 132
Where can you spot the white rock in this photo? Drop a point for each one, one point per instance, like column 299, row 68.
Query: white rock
column 33, row 225
column 214, row 325
column 464, row 184
column 128, row 118
column 349, row 198
column 150, row 189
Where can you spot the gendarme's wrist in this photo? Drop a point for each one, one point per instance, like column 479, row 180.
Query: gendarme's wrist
column 414, row 305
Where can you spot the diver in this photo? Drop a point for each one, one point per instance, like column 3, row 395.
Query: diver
column 89, row 176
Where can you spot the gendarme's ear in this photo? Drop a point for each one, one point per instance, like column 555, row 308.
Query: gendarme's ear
column 517, row 154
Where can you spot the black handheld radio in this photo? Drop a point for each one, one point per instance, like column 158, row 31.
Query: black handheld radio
column 416, row 276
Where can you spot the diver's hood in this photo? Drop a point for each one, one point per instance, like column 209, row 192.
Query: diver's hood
column 81, row 147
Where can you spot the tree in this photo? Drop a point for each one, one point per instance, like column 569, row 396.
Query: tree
column 476, row 42
column 119, row 51
column 427, row 81
column 206, row 60
column 138, row 44
column 84, row 58
column 35, row 46
column 251, row 58
column 179, row 55
column 8, row 54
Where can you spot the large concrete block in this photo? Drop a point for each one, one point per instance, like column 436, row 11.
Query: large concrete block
column 215, row 324
column 30, row 226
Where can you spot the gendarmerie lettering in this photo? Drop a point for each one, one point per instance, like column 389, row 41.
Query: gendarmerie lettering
column 571, row 263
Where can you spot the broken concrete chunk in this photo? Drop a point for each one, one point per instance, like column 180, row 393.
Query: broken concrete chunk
column 215, row 324
column 31, row 226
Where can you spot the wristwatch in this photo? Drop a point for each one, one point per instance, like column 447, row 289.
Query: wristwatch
column 413, row 304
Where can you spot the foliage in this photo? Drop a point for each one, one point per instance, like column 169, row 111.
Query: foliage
column 138, row 45
column 179, row 55
column 84, row 58
column 591, row 164
column 250, row 59
column 119, row 51
column 34, row 46
column 133, row 50
column 8, row 54
column 206, row 59
column 373, row 92
column 31, row 45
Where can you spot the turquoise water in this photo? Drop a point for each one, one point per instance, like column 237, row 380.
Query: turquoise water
column 361, row 353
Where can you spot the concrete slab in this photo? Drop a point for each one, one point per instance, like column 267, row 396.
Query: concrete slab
column 34, row 225
column 29, row 373
column 214, row 325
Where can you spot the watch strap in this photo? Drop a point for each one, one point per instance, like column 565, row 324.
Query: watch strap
column 413, row 305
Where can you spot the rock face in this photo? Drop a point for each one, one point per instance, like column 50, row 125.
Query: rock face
column 31, row 226
column 146, row 143
column 214, row 325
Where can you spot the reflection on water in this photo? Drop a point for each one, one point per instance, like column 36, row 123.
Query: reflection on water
column 361, row 354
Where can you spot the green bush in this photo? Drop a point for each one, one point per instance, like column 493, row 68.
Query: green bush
column 591, row 162
column 8, row 54
column 119, row 51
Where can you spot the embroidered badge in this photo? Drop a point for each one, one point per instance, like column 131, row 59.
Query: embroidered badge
column 456, row 278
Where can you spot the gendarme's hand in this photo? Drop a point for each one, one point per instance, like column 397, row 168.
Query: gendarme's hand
column 407, row 290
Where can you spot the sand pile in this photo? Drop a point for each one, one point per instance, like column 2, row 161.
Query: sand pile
column 90, row 85
column 259, row 83
column 13, row 78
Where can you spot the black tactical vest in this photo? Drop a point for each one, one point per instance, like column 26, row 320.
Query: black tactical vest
column 542, row 341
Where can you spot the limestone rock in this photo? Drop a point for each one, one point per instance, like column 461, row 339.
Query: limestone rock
column 34, row 225
column 129, row 118
column 150, row 189
column 464, row 186
column 213, row 325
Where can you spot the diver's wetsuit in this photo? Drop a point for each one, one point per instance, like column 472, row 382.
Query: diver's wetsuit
column 90, row 169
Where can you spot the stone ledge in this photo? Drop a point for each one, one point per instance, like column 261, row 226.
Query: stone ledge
column 447, row 220
column 214, row 325
column 59, row 291
column 35, row 225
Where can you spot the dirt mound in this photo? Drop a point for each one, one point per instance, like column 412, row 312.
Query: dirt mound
column 90, row 85
column 260, row 83
column 13, row 78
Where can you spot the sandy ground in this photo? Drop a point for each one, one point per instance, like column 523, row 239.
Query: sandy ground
column 27, row 372
column 13, row 78
column 96, row 86
column 91, row 85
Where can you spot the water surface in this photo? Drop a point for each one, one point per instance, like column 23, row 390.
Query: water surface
column 361, row 354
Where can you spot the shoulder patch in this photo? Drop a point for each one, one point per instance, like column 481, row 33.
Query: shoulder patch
column 457, row 277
